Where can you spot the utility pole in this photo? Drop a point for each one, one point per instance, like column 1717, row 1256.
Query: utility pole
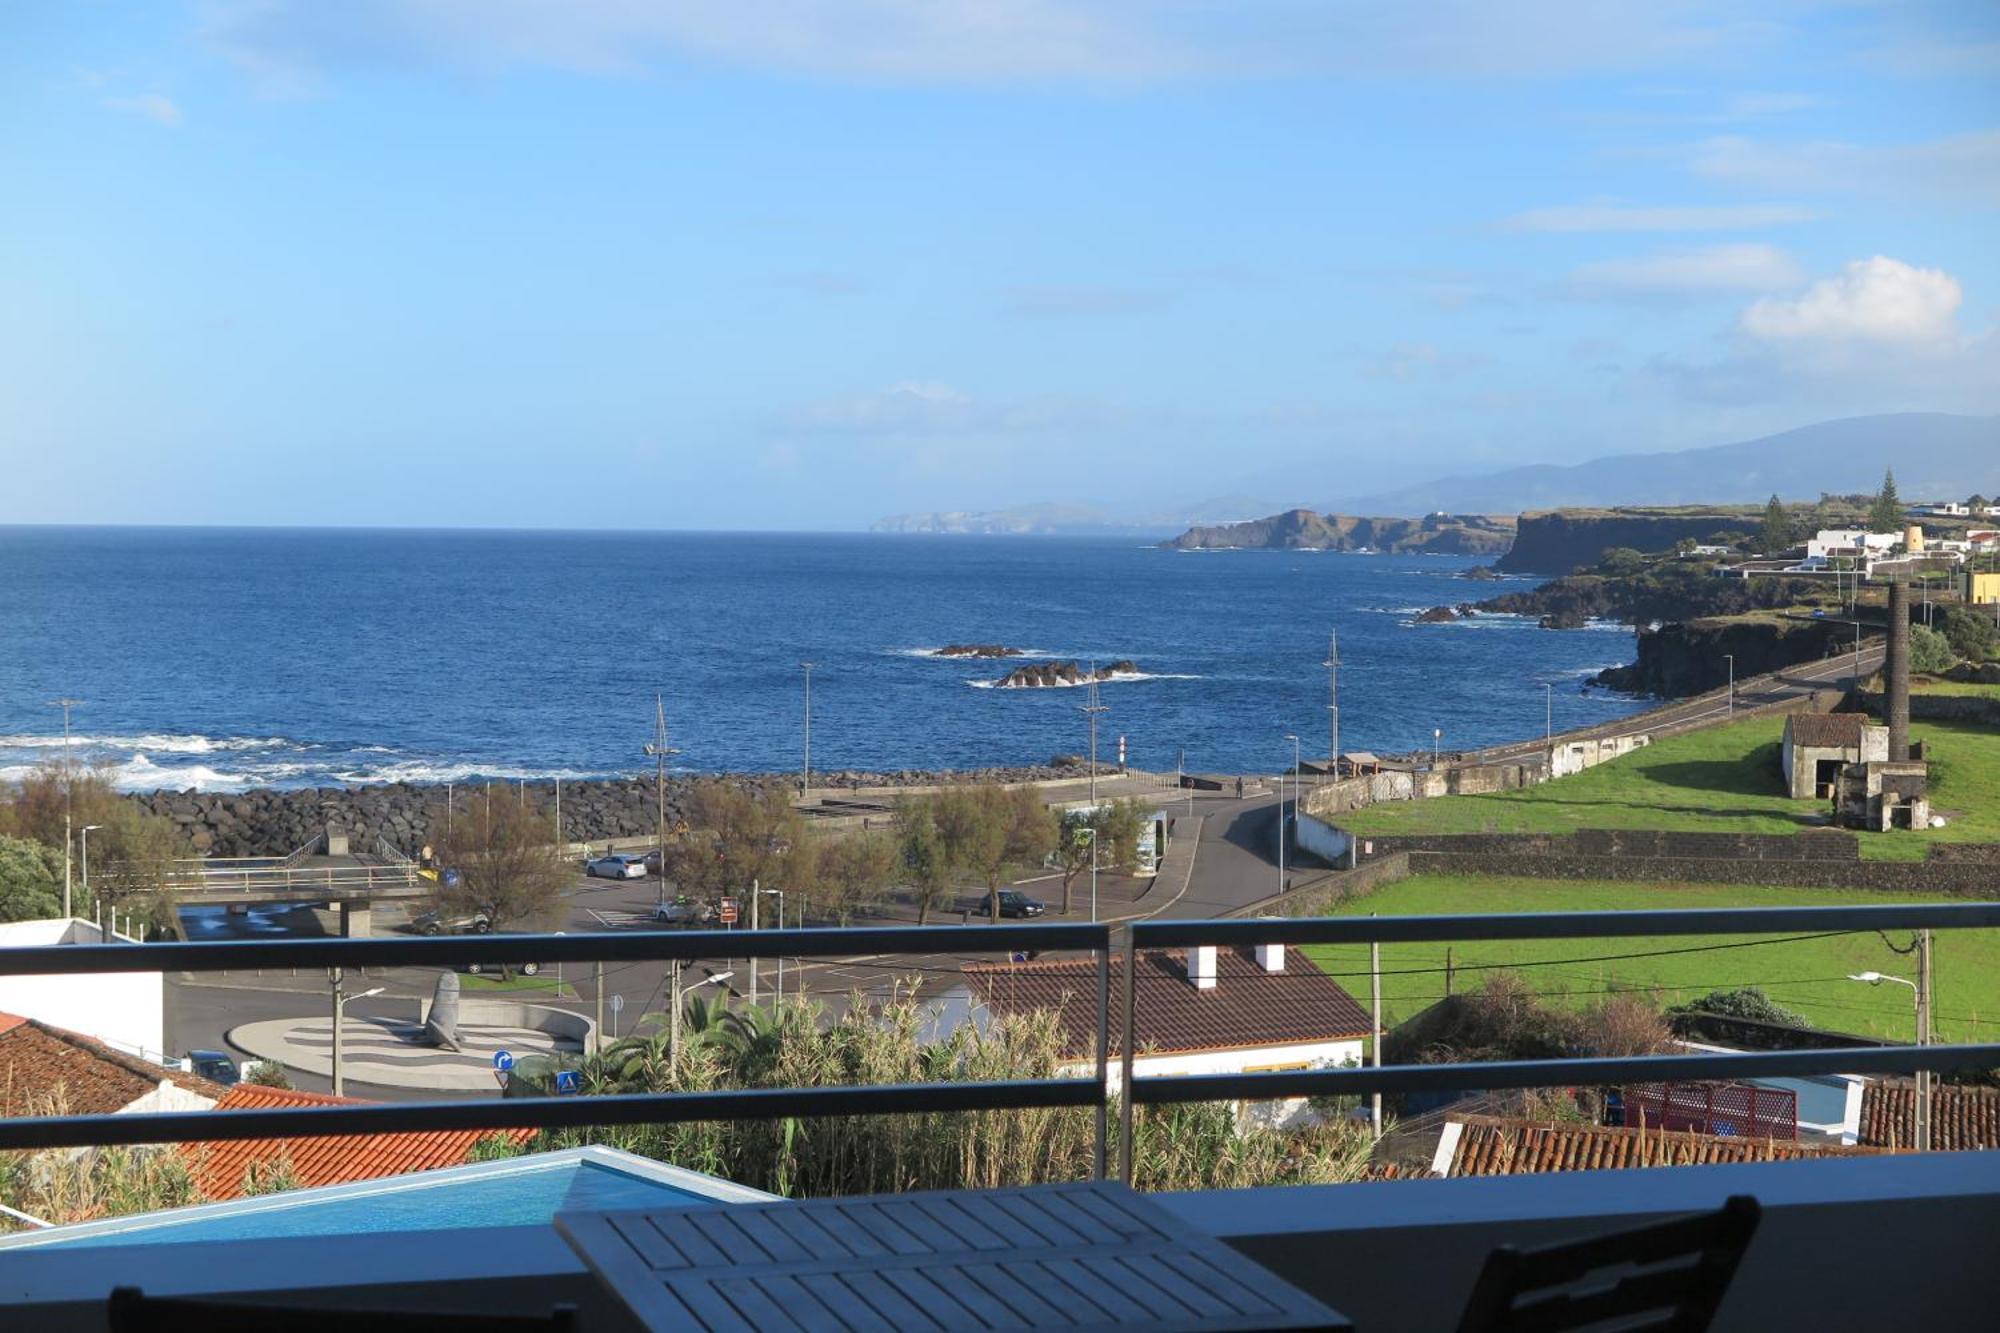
column 559, row 836
column 1282, row 832
column 1926, row 1080
column 1549, row 715
column 597, row 992
column 805, row 786
column 339, row 1002
column 1731, row 659
column 69, row 784
column 756, row 896
column 1375, row 1029
column 1332, row 665
column 674, row 1018
column 659, row 749
column 1090, row 709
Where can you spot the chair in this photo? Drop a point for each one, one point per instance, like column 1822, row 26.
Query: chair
column 1676, row 1275
column 132, row 1311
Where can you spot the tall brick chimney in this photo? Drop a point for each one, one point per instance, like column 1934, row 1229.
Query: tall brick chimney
column 1896, row 671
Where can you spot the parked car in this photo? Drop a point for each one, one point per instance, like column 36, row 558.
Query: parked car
column 481, row 969
column 1013, row 902
column 616, row 865
column 685, row 911
column 435, row 922
column 214, row 1066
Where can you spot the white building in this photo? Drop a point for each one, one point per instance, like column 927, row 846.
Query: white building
column 124, row 1010
column 1206, row 1010
column 1851, row 543
column 1941, row 509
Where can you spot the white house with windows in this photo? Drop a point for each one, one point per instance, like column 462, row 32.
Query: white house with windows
column 124, row 1010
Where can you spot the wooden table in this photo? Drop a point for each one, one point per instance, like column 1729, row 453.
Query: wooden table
column 1093, row 1255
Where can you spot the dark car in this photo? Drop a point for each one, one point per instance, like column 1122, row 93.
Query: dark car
column 480, row 969
column 1013, row 902
column 214, row 1066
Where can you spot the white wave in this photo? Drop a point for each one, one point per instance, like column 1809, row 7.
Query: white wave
column 417, row 771
column 1119, row 678
column 149, row 742
column 141, row 774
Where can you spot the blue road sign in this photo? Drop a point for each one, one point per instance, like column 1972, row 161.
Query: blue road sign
column 568, row 1080
column 503, row 1060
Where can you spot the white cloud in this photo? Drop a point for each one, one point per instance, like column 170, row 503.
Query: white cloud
column 154, row 106
column 1745, row 267
column 283, row 41
column 1687, row 217
column 1879, row 300
column 1962, row 167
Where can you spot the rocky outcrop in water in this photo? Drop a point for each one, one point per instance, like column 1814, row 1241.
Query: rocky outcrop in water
column 978, row 650
column 1688, row 658
column 1561, row 540
column 1053, row 675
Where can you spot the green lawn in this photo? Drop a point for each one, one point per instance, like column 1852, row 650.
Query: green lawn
column 1723, row 779
column 1808, row 976
column 1958, row 687
column 486, row 982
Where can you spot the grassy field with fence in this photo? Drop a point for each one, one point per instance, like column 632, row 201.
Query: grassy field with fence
column 1808, row 976
column 1721, row 780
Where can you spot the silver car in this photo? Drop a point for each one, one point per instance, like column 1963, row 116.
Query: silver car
column 616, row 865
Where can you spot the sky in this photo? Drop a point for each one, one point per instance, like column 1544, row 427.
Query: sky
column 745, row 264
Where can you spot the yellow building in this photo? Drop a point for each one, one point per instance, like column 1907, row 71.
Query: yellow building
column 1982, row 589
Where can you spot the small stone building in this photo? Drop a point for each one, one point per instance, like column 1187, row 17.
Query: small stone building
column 1819, row 745
column 1892, row 794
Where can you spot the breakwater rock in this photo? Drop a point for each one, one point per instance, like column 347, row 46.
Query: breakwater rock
column 275, row 821
column 981, row 650
column 1050, row 675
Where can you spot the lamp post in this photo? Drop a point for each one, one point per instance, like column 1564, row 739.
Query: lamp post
column 1091, row 708
column 1731, row 659
column 1437, row 739
column 779, row 894
column 340, row 999
column 1920, row 995
column 1548, row 714
column 87, row 830
column 660, row 751
column 805, row 784
column 1091, row 829
column 674, row 1021
column 69, row 782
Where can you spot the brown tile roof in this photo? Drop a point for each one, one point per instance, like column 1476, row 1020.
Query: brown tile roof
column 39, row 1061
column 1827, row 730
column 1247, row 1007
column 1961, row 1117
column 332, row 1159
column 1497, row 1146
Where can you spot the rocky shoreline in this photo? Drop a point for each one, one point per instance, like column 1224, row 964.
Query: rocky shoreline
column 1054, row 675
column 270, row 821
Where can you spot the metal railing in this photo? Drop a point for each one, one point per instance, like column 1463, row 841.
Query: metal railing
column 1094, row 1092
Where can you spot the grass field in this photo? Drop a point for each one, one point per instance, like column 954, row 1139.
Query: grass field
column 1723, row 779
column 1956, row 687
column 486, row 983
column 1808, row 976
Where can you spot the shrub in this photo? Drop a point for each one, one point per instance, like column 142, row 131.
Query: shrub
column 1970, row 632
column 1748, row 1002
column 1930, row 651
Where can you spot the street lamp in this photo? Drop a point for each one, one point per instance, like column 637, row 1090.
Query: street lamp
column 1548, row 714
column 779, row 894
column 805, row 785
column 69, row 785
column 87, row 830
column 1923, row 1135
column 340, row 1000
column 674, row 1020
column 1437, row 739
column 1091, row 829
column 1731, row 659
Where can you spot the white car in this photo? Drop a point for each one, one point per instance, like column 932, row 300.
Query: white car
column 616, row 865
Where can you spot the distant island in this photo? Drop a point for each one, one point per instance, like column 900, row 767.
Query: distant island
column 975, row 650
column 1304, row 530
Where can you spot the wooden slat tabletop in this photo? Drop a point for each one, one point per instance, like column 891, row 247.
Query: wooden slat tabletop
column 1092, row 1255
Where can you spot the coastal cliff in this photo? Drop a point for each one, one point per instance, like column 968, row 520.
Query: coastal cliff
column 1304, row 530
column 1560, row 540
column 1689, row 657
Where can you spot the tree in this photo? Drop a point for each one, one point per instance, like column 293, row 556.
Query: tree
column 1886, row 513
column 133, row 855
column 501, row 861
column 1976, row 503
column 267, row 1073
column 1075, row 848
column 922, row 850
column 737, row 839
column 1777, row 535
column 30, row 880
column 1119, row 825
column 853, row 872
column 1970, row 632
column 1930, row 651
column 1014, row 827
column 1747, row 1002
column 1620, row 561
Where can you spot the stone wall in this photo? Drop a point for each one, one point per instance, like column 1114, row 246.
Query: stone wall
column 1330, row 890
column 1945, row 879
column 1938, row 707
column 1817, row 845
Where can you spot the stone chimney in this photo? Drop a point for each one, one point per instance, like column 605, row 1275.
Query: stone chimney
column 1201, row 966
column 1896, row 672
column 1271, row 957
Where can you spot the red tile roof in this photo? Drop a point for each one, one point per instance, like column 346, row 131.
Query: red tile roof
column 1246, row 1008
column 41, row 1063
column 333, row 1159
column 1498, row 1146
column 1961, row 1117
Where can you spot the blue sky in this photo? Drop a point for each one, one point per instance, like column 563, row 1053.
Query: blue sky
column 724, row 263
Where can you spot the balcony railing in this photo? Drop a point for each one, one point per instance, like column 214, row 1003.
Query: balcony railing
column 1094, row 1092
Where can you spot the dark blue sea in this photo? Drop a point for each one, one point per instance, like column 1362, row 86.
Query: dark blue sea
column 232, row 658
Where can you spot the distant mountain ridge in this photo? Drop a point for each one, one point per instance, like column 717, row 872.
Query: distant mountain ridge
column 1303, row 530
column 1935, row 456
column 1065, row 520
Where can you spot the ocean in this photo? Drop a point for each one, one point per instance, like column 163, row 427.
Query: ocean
column 225, row 659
